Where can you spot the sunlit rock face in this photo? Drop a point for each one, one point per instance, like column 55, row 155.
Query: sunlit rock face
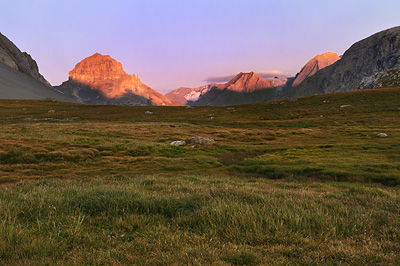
column 247, row 82
column 100, row 79
column 97, row 68
column 314, row 65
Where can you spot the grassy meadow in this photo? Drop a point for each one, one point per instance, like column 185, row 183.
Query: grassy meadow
column 302, row 182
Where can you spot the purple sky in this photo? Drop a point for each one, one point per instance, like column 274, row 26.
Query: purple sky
column 186, row 43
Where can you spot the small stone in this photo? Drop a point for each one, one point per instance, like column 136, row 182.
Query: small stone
column 178, row 143
column 345, row 105
column 382, row 135
column 148, row 113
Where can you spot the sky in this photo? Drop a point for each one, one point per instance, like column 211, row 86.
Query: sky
column 189, row 43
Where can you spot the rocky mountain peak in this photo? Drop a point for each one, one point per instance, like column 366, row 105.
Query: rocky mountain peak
column 20, row 61
column 98, row 67
column 247, row 82
column 314, row 65
column 100, row 79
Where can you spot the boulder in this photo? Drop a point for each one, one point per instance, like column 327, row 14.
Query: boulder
column 200, row 141
column 178, row 143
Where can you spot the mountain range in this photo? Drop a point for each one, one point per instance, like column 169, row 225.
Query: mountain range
column 99, row 79
column 243, row 88
column 246, row 88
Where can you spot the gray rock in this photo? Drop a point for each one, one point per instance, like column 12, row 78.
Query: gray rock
column 200, row 141
column 178, row 143
column 21, row 61
column 382, row 135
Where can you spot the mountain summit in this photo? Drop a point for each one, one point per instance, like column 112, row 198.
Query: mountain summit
column 314, row 65
column 100, row 79
column 370, row 63
column 247, row 83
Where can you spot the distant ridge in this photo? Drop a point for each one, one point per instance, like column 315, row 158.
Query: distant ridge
column 189, row 95
column 244, row 88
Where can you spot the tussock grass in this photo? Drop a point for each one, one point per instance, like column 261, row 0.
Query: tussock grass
column 198, row 220
column 292, row 182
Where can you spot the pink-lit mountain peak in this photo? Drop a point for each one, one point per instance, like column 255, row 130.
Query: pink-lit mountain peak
column 98, row 66
column 314, row 65
column 105, row 75
column 247, row 82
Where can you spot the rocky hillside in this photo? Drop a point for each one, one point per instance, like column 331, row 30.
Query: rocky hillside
column 314, row 65
column 244, row 88
column 100, row 79
column 20, row 77
column 21, row 61
column 370, row 63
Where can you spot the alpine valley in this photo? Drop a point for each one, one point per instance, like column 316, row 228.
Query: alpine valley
column 104, row 170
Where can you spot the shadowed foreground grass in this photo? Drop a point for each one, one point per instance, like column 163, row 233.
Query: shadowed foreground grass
column 197, row 220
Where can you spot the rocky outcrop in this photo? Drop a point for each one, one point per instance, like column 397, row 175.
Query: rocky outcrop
column 194, row 141
column 244, row 88
column 314, row 65
column 20, row 61
column 370, row 63
column 100, row 79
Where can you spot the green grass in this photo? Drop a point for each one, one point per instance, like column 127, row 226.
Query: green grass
column 152, row 220
column 293, row 182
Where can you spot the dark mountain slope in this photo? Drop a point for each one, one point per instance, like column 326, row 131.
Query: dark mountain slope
column 370, row 63
column 16, row 85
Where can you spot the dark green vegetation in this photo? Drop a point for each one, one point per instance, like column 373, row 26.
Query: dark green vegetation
column 292, row 182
